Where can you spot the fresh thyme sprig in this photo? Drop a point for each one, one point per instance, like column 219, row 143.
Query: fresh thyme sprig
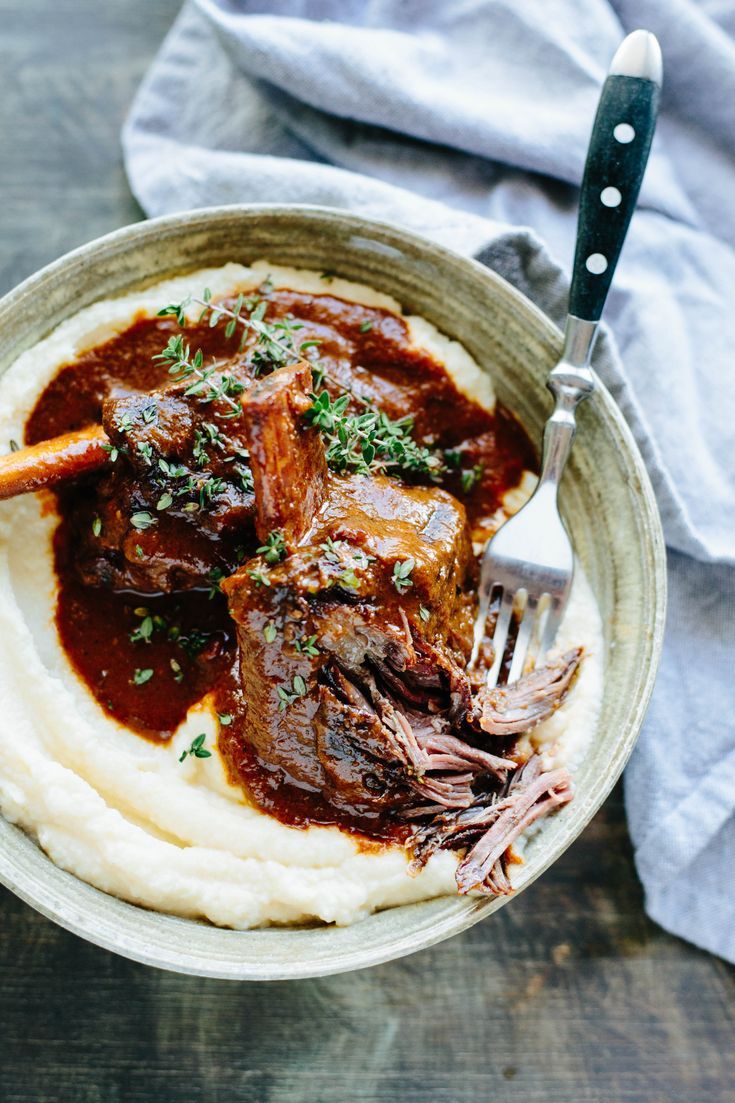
column 307, row 646
column 362, row 443
column 274, row 549
column 367, row 442
column 196, row 748
column 177, row 354
column 267, row 332
column 287, row 696
column 402, row 575
column 470, row 477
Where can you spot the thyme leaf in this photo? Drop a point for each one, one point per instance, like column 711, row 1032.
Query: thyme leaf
column 307, row 646
column 259, row 577
column 470, row 477
column 196, row 748
column 274, row 549
column 287, row 696
column 369, row 441
column 142, row 520
column 214, row 578
column 402, row 575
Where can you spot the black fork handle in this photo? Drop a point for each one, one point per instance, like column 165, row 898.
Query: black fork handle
column 616, row 161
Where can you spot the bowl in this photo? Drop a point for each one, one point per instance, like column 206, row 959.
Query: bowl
column 607, row 501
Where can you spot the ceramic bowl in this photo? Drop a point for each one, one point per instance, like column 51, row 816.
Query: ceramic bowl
column 607, row 501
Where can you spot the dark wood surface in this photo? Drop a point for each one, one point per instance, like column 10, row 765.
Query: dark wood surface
column 569, row 994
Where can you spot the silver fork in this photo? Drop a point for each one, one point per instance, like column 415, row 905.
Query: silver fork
column 530, row 560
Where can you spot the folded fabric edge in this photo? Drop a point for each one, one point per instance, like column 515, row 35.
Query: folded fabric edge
column 672, row 845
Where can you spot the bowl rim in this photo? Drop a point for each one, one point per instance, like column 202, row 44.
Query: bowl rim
column 71, row 915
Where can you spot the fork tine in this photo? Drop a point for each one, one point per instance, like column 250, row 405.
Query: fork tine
column 480, row 625
column 523, row 639
column 500, row 637
column 551, row 627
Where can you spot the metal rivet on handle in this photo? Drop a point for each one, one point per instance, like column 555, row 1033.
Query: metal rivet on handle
column 596, row 263
column 624, row 133
column 611, row 197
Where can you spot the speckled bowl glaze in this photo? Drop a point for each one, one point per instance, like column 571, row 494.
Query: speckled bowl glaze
column 607, row 501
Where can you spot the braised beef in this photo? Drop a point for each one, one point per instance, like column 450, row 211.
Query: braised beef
column 339, row 587
column 351, row 702
column 380, row 714
column 177, row 506
column 286, row 456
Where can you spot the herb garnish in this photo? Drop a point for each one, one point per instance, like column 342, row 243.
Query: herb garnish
column 145, row 451
column 287, row 697
column 402, row 575
column 196, row 748
column 144, row 631
column 470, row 477
column 424, row 613
column 142, row 520
column 274, row 549
column 193, row 642
column 259, row 577
column 370, row 441
column 97, row 526
column 270, row 632
column 349, row 579
column 307, row 646
column 224, row 718
column 331, row 550
column 214, row 578
column 171, row 470
column 363, row 443
column 140, row 677
column 207, row 437
column 207, row 385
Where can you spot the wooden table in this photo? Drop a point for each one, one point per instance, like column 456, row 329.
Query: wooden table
column 569, row 994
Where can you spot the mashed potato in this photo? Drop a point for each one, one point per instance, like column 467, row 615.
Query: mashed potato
column 124, row 814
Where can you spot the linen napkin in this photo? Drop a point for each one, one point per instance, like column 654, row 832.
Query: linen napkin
column 468, row 122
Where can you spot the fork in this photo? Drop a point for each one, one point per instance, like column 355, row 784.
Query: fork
column 529, row 562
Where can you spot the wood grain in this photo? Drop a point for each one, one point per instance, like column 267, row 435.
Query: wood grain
column 569, row 994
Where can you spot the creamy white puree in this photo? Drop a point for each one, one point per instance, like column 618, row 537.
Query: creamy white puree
column 124, row 814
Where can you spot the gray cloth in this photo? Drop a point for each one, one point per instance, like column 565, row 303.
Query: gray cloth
column 465, row 121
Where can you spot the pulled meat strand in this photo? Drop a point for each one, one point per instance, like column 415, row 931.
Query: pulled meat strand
column 511, row 709
column 442, row 767
column 490, row 825
column 526, row 802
